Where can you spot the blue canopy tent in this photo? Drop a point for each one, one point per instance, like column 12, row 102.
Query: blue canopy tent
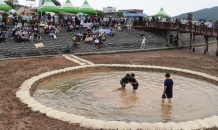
column 130, row 15
column 140, row 15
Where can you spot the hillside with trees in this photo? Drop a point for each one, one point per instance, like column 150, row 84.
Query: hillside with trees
column 209, row 13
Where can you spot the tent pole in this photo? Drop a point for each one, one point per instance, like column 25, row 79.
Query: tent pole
column 41, row 14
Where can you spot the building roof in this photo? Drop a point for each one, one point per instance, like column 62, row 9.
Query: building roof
column 130, row 9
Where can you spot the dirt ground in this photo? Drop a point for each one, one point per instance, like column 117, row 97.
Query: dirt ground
column 16, row 116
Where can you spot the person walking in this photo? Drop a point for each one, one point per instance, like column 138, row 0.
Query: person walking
column 143, row 43
column 168, row 89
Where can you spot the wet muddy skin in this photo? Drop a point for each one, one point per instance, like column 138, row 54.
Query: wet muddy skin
column 15, row 115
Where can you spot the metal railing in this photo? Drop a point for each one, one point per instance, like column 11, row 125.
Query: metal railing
column 201, row 30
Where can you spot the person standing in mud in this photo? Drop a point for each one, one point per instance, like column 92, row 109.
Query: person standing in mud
column 168, row 89
column 134, row 82
column 124, row 81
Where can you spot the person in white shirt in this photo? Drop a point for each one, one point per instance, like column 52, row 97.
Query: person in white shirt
column 73, row 17
column 183, row 22
column 24, row 18
column 143, row 43
column 10, row 16
column 210, row 26
column 96, row 42
column 19, row 24
column 55, row 20
column 81, row 24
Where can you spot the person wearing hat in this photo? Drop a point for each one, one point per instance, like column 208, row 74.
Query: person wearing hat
column 168, row 89
column 124, row 81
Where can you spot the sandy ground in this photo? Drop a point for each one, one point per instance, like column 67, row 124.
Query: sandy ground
column 16, row 116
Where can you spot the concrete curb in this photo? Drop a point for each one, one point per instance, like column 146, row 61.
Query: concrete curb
column 24, row 95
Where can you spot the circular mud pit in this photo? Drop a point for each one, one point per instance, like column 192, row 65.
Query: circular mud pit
column 96, row 95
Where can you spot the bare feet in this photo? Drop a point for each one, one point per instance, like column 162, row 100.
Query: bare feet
column 166, row 104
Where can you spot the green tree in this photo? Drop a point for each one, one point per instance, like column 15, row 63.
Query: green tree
column 119, row 14
column 100, row 13
column 215, row 23
column 12, row 3
column 56, row 2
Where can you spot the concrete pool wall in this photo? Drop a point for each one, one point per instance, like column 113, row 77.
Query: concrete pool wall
column 24, row 95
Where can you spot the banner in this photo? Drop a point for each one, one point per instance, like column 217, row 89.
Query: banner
column 190, row 17
column 107, row 31
column 86, row 25
column 39, row 45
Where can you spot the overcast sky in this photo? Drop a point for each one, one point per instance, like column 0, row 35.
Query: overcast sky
column 150, row 7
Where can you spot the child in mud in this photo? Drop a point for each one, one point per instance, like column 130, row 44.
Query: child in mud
column 124, row 81
column 134, row 82
column 168, row 89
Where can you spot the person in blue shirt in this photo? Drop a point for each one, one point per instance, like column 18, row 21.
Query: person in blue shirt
column 168, row 89
column 96, row 18
column 67, row 49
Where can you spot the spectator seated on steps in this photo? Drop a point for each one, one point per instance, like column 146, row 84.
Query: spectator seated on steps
column 16, row 37
column 94, row 38
column 80, row 36
column 75, row 42
column 112, row 32
column 52, row 35
column 84, row 35
column 104, row 36
column 27, row 38
column 142, row 34
column 38, row 38
column 47, row 31
column 110, row 25
column 93, row 31
column 129, row 28
column 5, row 32
column 100, row 35
column 31, row 38
column 69, row 29
column 13, row 33
column 74, row 38
column 120, row 28
column 57, row 30
column 116, row 26
column 89, row 29
column 2, row 24
column 101, row 42
column 87, row 40
column 96, row 42
column 97, row 31
column 67, row 49
column 2, row 38
column 91, row 38
column 42, row 31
